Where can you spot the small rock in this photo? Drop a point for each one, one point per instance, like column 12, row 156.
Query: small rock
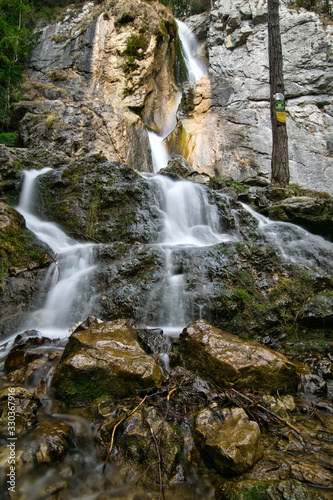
column 230, row 446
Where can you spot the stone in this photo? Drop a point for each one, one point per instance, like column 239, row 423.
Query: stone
column 177, row 168
column 104, row 360
column 232, row 362
column 312, row 474
column 26, row 405
column 91, row 78
column 231, row 445
column 318, row 311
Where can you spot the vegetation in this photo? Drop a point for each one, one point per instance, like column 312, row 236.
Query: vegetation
column 17, row 22
column 187, row 7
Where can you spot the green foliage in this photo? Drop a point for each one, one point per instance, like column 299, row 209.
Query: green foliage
column 8, row 138
column 187, row 7
column 319, row 6
column 17, row 23
column 16, row 35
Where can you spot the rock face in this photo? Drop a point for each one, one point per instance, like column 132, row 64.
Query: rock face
column 104, row 360
column 103, row 73
column 232, row 362
column 94, row 79
column 232, row 446
column 227, row 130
column 106, row 201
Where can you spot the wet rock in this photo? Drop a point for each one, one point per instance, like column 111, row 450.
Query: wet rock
column 312, row 474
column 104, row 360
column 231, row 445
column 46, row 443
column 102, row 200
column 23, row 403
column 319, row 311
column 152, row 340
column 232, row 362
column 52, row 441
column 177, row 168
column 18, row 249
column 314, row 214
column 30, row 354
column 135, row 440
column 312, row 384
column 270, row 490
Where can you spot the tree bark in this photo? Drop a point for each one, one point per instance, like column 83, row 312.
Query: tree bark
column 280, row 159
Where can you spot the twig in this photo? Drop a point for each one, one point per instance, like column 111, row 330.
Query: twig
column 114, row 431
column 172, row 390
column 159, row 462
column 268, row 411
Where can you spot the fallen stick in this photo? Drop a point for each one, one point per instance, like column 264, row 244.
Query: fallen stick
column 114, row 431
column 267, row 411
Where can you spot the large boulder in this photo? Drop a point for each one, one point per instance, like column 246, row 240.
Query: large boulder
column 233, row 446
column 233, row 362
column 104, row 360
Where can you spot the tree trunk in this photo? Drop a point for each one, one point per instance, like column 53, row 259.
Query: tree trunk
column 280, row 158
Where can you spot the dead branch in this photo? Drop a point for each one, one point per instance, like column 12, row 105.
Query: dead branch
column 266, row 410
column 114, row 431
column 159, row 462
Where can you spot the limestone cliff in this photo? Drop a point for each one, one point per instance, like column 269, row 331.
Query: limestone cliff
column 226, row 129
column 103, row 73
column 95, row 79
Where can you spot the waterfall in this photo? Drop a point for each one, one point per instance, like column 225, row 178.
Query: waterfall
column 66, row 277
column 293, row 243
column 196, row 69
column 190, row 48
column 190, row 222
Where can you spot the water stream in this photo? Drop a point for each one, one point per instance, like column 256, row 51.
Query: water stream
column 66, row 277
column 196, row 68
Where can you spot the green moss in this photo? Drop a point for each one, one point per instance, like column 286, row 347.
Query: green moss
column 18, row 247
column 242, row 294
column 8, row 138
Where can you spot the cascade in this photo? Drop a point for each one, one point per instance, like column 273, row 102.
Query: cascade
column 196, row 69
column 66, row 277
column 190, row 221
column 188, row 217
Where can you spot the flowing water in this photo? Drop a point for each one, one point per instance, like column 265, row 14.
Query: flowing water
column 196, row 68
column 66, row 277
column 190, row 222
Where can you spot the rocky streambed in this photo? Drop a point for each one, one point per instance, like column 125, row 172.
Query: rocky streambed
column 103, row 416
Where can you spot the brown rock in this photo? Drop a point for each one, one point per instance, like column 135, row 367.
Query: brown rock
column 104, row 360
column 231, row 446
column 233, row 362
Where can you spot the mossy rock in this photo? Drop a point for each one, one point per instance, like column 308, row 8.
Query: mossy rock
column 18, row 246
column 105, row 360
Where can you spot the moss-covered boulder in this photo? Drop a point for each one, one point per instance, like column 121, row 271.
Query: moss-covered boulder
column 98, row 199
column 104, row 360
column 232, row 362
column 231, row 446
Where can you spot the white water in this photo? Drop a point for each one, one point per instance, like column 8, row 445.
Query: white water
column 73, row 263
column 293, row 243
column 195, row 66
column 196, row 69
column 190, row 221
column 189, row 218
